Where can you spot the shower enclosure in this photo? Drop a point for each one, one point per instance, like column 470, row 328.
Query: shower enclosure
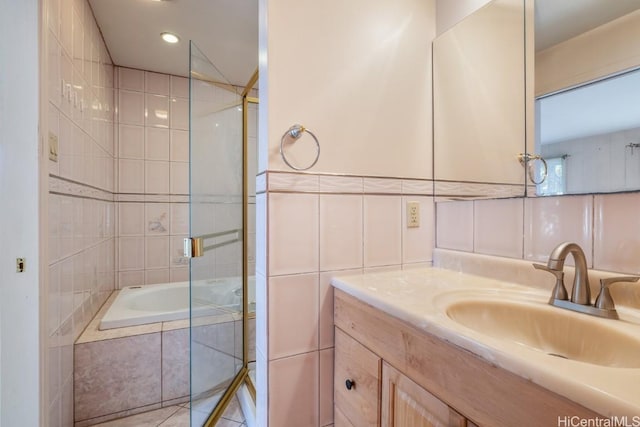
column 218, row 242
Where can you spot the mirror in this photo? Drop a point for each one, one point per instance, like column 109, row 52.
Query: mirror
column 587, row 90
column 480, row 88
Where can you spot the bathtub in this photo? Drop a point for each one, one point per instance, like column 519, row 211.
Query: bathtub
column 139, row 305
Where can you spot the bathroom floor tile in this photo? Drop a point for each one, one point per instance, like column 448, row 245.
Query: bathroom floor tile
column 146, row 419
column 179, row 419
column 178, row 416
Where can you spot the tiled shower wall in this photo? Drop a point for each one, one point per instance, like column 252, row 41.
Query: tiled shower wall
column 320, row 226
column 81, row 206
column 605, row 226
column 152, row 177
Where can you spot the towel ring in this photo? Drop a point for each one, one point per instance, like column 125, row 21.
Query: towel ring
column 527, row 160
column 295, row 132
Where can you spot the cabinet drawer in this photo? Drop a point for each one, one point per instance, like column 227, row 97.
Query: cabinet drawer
column 355, row 363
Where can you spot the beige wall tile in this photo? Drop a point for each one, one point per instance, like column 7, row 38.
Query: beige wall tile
column 498, row 226
column 293, row 233
column 294, row 391
column 382, row 231
column 454, row 225
column 326, row 386
column 293, row 315
column 549, row 221
column 417, row 243
column 340, row 232
column 616, row 233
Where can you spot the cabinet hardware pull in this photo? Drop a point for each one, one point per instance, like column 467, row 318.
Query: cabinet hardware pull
column 350, row 384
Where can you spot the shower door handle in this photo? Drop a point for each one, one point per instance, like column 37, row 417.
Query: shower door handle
column 193, row 247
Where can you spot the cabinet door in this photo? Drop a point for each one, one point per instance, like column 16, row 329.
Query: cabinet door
column 405, row 403
column 340, row 419
column 358, row 400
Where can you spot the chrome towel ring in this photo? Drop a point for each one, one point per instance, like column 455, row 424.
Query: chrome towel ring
column 527, row 161
column 295, row 132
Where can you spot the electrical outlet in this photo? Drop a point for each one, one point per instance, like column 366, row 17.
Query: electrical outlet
column 413, row 214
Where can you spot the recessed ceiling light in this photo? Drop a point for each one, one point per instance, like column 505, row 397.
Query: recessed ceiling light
column 169, row 37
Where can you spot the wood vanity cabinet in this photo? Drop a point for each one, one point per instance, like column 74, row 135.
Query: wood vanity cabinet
column 389, row 373
column 356, row 381
column 405, row 403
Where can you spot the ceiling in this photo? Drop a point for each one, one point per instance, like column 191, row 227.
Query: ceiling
column 608, row 106
column 559, row 20
column 604, row 107
column 226, row 31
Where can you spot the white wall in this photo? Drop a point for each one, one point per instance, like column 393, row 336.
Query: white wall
column 358, row 75
column 19, row 228
column 607, row 49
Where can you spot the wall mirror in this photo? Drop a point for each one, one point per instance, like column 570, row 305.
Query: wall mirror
column 480, row 87
column 587, row 84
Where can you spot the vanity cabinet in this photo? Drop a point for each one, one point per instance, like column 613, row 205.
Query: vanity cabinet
column 405, row 403
column 357, row 381
column 401, row 375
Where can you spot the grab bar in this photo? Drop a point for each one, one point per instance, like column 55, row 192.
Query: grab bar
column 194, row 246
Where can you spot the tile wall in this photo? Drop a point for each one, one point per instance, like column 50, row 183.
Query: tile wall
column 152, row 177
column 605, row 226
column 320, row 226
column 81, row 206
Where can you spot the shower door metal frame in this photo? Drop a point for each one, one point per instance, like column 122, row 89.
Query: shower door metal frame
column 242, row 377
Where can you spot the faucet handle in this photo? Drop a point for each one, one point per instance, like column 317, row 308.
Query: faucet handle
column 604, row 300
column 559, row 291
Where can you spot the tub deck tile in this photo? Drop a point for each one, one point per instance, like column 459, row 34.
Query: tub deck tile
column 175, row 364
column 116, row 375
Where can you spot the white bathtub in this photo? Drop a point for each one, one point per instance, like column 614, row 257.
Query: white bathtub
column 139, row 305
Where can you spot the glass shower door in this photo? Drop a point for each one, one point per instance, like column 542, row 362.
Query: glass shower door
column 216, row 230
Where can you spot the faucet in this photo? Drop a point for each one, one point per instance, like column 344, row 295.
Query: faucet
column 581, row 292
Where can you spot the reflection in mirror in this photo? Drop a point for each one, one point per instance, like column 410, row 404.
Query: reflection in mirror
column 587, row 114
column 480, row 91
column 590, row 137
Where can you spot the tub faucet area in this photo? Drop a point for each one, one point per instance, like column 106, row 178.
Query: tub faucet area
column 581, row 291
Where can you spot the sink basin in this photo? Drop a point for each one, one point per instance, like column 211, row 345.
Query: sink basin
column 554, row 331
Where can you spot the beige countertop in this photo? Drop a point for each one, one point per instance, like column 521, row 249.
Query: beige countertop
column 420, row 297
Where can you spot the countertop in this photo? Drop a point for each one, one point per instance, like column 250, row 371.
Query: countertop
column 420, row 297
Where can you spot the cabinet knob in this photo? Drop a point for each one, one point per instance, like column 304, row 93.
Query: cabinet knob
column 350, row 384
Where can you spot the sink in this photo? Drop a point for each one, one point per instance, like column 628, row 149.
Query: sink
column 556, row 332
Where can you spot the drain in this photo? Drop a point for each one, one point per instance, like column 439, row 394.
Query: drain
column 558, row 355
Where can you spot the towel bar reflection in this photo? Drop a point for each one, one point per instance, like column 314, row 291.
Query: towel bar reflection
column 295, row 132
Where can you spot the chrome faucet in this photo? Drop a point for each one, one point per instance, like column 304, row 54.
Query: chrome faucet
column 581, row 292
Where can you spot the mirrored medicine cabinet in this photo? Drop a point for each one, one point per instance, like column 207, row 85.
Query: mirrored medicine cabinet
column 587, row 92
column 480, row 90
column 567, row 92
